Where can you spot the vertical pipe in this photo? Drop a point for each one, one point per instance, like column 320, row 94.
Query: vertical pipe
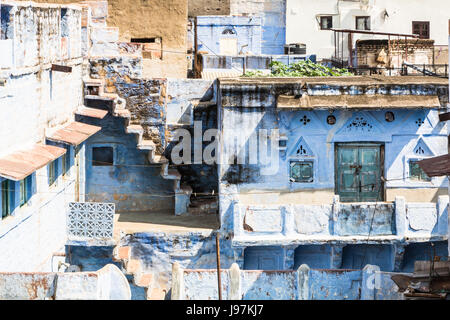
column 219, row 282
column 195, row 48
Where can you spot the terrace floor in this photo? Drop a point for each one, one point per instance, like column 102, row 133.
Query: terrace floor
column 133, row 222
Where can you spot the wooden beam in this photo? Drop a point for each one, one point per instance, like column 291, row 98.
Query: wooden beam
column 444, row 116
column 59, row 68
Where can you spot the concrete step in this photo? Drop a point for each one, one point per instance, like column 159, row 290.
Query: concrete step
column 172, row 174
column 146, row 145
column 91, row 112
column 122, row 113
column 159, row 159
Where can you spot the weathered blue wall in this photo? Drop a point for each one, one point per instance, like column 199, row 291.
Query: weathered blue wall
column 274, row 27
column 133, row 184
column 247, row 31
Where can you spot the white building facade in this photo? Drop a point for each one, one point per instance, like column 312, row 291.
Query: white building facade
column 309, row 22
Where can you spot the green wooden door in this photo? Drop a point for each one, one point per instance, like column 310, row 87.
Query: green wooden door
column 358, row 172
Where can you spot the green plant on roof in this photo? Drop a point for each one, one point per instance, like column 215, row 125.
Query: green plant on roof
column 305, row 68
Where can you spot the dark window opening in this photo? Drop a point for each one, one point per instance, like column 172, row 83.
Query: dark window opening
column 102, row 156
column 362, row 23
column 421, row 28
column 146, row 40
column 229, row 31
column 326, row 22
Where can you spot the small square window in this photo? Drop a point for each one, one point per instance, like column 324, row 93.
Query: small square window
column 421, row 28
column 102, row 156
column 416, row 172
column 326, row 22
column 362, row 23
column 302, row 171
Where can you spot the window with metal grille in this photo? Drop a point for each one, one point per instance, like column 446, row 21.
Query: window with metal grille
column 102, row 156
column 326, row 22
column 421, row 28
column 416, row 172
column 363, row 23
column 302, row 171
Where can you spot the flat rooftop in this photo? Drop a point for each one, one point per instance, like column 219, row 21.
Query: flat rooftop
column 338, row 81
column 137, row 222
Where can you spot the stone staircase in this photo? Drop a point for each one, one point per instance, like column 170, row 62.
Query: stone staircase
column 94, row 91
column 141, row 284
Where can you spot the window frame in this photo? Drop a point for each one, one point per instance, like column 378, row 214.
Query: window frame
column 367, row 23
column 326, row 17
column 65, row 164
column 52, row 173
column 93, row 162
column 421, row 23
column 25, row 187
column 419, row 179
column 8, row 189
column 301, row 161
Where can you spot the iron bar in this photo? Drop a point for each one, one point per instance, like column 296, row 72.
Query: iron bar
column 219, row 282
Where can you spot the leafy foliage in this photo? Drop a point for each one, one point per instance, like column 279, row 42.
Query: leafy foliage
column 299, row 69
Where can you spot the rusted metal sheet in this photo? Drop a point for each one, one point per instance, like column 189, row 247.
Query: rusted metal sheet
column 437, row 166
column 59, row 68
column 75, row 133
column 444, row 116
column 21, row 164
column 358, row 102
column 92, row 112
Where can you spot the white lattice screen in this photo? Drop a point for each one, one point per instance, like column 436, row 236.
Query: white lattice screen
column 90, row 220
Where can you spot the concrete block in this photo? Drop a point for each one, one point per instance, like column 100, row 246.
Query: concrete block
column 102, row 34
column 104, row 49
column 400, row 216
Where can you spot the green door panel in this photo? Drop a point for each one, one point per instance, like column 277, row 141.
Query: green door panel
column 359, row 172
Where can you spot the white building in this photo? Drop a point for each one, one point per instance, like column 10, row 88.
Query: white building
column 307, row 21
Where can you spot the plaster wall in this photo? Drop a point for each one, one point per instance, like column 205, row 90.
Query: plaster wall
column 34, row 102
column 109, row 283
column 302, row 284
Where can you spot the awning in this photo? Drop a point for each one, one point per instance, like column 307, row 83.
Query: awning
column 437, row 166
column 376, row 101
column 21, row 164
column 74, row 134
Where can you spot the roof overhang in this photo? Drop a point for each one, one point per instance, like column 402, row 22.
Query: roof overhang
column 21, row 164
column 74, row 134
column 376, row 101
column 437, row 166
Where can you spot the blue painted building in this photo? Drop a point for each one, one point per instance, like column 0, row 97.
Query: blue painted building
column 324, row 171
